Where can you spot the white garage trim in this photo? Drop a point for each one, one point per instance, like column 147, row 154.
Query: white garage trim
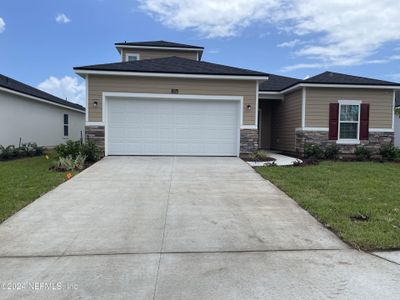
column 183, row 97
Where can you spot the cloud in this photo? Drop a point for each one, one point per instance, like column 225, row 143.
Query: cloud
column 289, row 44
column 213, row 51
column 210, row 18
column 2, row 25
column 350, row 31
column 62, row 19
column 66, row 88
column 303, row 66
column 330, row 33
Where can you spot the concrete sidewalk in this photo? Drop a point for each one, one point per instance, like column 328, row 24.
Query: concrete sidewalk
column 180, row 228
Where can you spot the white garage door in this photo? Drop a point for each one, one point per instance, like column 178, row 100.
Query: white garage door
column 172, row 127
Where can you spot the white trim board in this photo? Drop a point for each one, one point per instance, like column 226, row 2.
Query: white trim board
column 158, row 48
column 170, row 75
column 349, row 86
column 95, row 124
column 87, row 98
column 327, row 129
column 393, row 108
column 255, row 109
column 40, row 99
column 303, row 107
column 270, row 95
column 183, row 97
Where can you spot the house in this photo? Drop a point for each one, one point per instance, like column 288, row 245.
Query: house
column 397, row 121
column 31, row 115
column 163, row 99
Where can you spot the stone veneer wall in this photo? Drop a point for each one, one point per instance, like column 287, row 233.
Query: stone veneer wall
column 248, row 140
column 96, row 133
column 320, row 138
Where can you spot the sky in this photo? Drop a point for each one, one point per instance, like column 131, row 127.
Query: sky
column 42, row 40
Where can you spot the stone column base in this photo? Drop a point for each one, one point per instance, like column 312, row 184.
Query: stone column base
column 96, row 134
column 248, row 140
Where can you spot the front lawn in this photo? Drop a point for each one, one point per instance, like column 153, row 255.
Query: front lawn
column 24, row 180
column 334, row 192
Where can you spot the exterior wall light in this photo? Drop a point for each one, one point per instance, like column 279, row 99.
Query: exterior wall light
column 95, row 104
column 249, row 107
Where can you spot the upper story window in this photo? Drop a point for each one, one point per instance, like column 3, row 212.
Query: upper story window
column 349, row 120
column 132, row 56
column 66, row 125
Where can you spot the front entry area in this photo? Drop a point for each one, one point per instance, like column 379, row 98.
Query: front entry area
column 153, row 126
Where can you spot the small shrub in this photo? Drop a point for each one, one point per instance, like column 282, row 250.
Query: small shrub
column 91, row 151
column 389, row 152
column 79, row 162
column 37, row 149
column 298, row 163
column 8, row 152
column 331, row 152
column 65, row 163
column 75, row 148
column 313, row 151
column 69, row 163
column 262, row 155
column 70, row 148
column 362, row 153
column 259, row 155
column 26, row 149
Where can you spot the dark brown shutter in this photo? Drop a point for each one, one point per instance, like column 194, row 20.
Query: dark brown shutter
column 364, row 121
column 333, row 120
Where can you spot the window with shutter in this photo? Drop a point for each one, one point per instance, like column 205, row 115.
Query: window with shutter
column 349, row 122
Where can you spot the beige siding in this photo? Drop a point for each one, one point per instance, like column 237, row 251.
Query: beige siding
column 129, row 84
column 286, row 117
column 318, row 99
column 149, row 53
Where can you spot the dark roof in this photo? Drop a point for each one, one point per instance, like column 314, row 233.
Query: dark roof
column 339, row 78
column 12, row 84
column 397, row 98
column 162, row 44
column 277, row 83
column 173, row 64
column 280, row 83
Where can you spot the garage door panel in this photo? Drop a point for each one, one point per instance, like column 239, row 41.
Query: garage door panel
column 172, row 127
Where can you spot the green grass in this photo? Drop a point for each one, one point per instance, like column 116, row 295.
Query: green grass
column 334, row 191
column 24, row 180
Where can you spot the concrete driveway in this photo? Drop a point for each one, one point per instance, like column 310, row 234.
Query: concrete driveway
column 179, row 228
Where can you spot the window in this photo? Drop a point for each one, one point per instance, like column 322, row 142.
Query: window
column 66, row 124
column 132, row 57
column 349, row 121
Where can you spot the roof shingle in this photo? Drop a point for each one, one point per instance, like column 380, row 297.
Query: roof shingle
column 14, row 85
column 339, row 78
column 280, row 83
column 174, row 65
column 276, row 83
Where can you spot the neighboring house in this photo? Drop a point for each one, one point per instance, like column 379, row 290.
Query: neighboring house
column 31, row 115
column 161, row 99
column 397, row 121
